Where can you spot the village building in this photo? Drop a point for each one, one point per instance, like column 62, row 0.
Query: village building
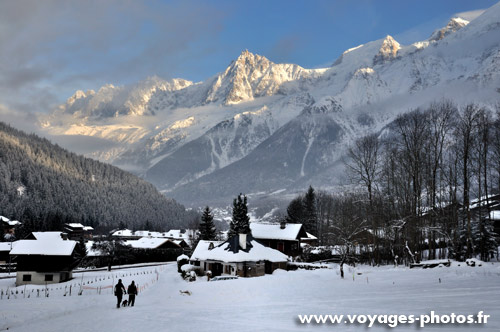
column 283, row 237
column 9, row 228
column 88, row 232
column 46, row 259
column 156, row 243
column 240, row 256
column 7, row 264
column 75, row 231
column 187, row 236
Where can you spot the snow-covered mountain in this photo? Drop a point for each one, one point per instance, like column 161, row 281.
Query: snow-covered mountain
column 259, row 127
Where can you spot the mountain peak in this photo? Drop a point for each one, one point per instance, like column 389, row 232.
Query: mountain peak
column 388, row 50
column 248, row 59
column 453, row 25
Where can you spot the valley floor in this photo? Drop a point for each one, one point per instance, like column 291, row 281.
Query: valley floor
column 270, row 303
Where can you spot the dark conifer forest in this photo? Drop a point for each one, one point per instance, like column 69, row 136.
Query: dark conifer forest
column 43, row 186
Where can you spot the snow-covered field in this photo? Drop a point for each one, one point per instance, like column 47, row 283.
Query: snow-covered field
column 270, row 303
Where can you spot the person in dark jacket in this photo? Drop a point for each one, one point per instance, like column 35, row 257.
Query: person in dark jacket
column 119, row 291
column 132, row 292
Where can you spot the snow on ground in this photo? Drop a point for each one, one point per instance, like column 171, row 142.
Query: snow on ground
column 269, row 303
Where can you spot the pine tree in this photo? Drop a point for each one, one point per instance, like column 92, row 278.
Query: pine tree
column 240, row 224
column 310, row 218
column 207, row 227
column 295, row 211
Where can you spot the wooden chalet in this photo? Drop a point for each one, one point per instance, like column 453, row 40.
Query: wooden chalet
column 157, row 243
column 45, row 260
column 9, row 228
column 283, row 237
column 241, row 256
column 75, row 231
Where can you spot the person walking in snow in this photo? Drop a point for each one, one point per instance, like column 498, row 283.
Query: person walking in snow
column 132, row 292
column 119, row 291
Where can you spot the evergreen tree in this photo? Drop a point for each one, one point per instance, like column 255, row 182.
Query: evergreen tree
column 207, row 227
column 240, row 224
column 295, row 211
column 310, row 218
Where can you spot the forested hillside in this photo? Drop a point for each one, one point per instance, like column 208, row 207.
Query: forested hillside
column 43, row 186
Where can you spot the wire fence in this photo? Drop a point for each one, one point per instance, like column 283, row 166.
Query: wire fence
column 102, row 284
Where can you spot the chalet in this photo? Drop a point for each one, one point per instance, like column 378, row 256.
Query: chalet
column 5, row 248
column 88, row 232
column 46, row 260
column 75, row 231
column 241, row 255
column 9, row 228
column 495, row 217
column 283, row 237
column 156, row 243
column 310, row 240
column 176, row 235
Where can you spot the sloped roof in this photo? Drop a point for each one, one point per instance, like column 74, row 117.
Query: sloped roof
column 48, row 236
column 147, row 242
column 44, row 247
column 202, row 247
column 274, row 232
column 309, row 237
column 9, row 222
column 123, row 232
column 221, row 252
column 6, row 246
column 74, row 225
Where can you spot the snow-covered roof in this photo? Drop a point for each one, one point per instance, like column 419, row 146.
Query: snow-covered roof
column 75, row 225
column 175, row 233
column 495, row 215
column 88, row 228
column 8, row 221
column 309, row 237
column 274, row 231
column 6, row 246
column 44, row 247
column 146, row 242
column 123, row 232
column 202, row 247
column 48, row 236
column 220, row 252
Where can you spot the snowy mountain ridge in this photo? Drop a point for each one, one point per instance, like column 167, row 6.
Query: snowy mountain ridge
column 184, row 137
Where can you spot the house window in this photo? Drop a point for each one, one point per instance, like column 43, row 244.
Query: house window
column 49, row 277
column 26, row 277
column 281, row 246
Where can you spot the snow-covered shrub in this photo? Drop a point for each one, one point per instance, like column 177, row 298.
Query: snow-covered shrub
column 182, row 260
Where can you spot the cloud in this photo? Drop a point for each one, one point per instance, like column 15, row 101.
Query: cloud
column 470, row 15
column 57, row 47
column 21, row 120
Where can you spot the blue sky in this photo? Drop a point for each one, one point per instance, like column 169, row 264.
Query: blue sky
column 51, row 48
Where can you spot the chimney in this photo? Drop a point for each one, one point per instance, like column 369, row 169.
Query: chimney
column 243, row 241
column 283, row 225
